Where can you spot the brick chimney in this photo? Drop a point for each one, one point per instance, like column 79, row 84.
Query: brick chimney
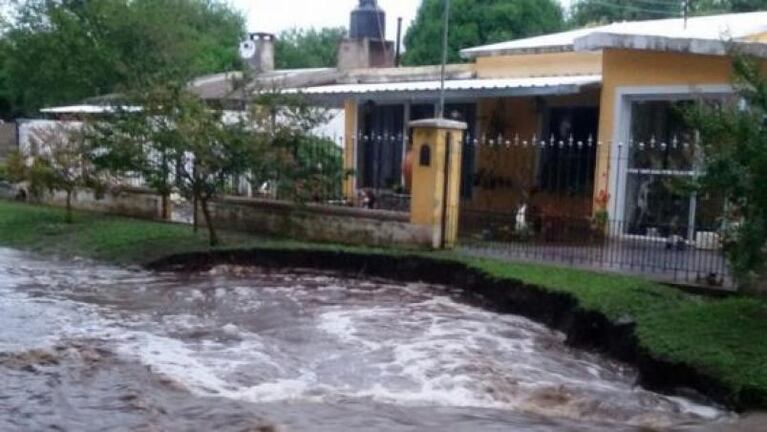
column 366, row 46
column 258, row 52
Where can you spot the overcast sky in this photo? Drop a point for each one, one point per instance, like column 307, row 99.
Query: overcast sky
column 276, row 15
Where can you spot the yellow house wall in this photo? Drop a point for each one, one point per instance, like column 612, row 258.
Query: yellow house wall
column 625, row 68
column 530, row 65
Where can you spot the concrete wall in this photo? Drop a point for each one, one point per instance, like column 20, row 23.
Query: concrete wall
column 136, row 203
column 319, row 223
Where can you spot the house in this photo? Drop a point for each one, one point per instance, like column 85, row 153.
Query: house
column 563, row 129
column 569, row 124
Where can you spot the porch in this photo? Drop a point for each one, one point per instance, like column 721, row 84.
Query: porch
column 538, row 184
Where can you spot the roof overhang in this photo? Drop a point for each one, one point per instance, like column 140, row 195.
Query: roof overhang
column 90, row 109
column 551, row 43
column 717, row 47
column 454, row 89
column 707, row 35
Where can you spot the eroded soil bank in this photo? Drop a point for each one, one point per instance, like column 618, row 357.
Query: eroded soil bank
column 584, row 329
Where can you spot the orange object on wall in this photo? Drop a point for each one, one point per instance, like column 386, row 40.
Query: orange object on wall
column 407, row 169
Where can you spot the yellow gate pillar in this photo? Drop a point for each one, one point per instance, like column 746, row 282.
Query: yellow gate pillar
column 436, row 183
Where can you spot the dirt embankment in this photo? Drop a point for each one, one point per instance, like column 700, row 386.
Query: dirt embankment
column 584, row 329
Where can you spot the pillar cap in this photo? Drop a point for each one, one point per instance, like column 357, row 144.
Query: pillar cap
column 438, row 123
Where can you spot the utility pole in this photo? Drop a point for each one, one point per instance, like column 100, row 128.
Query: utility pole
column 445, row 34
column 398, row 55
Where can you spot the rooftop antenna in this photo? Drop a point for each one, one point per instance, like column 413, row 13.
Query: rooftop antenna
column 446, row 24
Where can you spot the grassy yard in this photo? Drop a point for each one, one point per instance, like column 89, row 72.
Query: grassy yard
column 723, row 338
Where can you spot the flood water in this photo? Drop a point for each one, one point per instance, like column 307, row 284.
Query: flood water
column 85, row 347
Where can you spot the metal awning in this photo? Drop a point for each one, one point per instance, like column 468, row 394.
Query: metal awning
column 90, row 109
column 464, row 88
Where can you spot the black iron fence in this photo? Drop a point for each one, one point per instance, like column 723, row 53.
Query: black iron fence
column 382, row 171
column 632, row 207
column 310, row 170
column 640, row 211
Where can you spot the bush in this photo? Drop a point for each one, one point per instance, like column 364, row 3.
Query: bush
column 734, row 143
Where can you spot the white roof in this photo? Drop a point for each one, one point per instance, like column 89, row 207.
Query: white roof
column 541, row 85
column 552, row 42
column 89, row 109
column 708, row 28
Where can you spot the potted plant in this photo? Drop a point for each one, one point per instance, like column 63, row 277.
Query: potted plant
column 601, row 217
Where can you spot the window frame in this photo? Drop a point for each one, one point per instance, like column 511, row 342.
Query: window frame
column 619, row 160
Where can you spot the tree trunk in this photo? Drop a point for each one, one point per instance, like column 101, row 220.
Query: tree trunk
column 165, row 206
column 211, row 229
column 69, row 218
column 195, row 219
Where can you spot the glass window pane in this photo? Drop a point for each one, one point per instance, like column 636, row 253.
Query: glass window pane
column 660, row 137
column 656, row 206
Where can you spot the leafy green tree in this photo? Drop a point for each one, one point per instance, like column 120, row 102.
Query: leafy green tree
column 734, row 144
column 175, row 138
column 477, row 22
column 307, row 48
column 60, row 163
column 702, row 7
column 595, row 12
column 300, row 166
column 58, row 52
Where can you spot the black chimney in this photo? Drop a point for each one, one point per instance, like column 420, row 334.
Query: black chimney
column 368, row 22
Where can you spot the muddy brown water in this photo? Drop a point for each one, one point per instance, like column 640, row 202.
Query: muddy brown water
column 87, row 347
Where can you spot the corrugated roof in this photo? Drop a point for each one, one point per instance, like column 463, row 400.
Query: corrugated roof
column 711, row 28
column 561, row 84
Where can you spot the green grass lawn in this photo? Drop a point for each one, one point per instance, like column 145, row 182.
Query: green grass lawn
column 726, row 339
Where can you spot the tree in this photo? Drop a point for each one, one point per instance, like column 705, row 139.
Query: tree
column 734, row 144
column 703, row 7
column 597, row 12
column 58, row 52
column 308, row 48
column 175, row 138
column 299, row 165
column 477, row 22
column 60, row 163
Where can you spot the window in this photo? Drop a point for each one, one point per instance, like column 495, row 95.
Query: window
column 567, row 167
column 661, row 164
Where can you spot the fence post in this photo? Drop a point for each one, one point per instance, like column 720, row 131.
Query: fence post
column 351, row 146
column 436, row 189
